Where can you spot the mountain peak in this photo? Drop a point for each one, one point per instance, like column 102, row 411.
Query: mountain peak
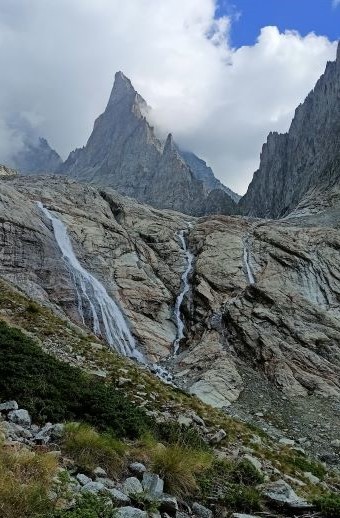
column 338, row 53
column 122, row 88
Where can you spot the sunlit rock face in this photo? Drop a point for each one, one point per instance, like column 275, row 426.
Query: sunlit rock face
column 297, row 162
column 279, row 335
column 124, row 153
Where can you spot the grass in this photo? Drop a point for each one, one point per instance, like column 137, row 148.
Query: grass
column 87, row 506
column 25, row 479
column 179, row 467
column 55, row 391
column 90, row 450
column 328, row 505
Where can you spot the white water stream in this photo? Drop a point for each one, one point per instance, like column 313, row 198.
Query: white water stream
column 247, row 263
column 104, row 311
column 185, row 288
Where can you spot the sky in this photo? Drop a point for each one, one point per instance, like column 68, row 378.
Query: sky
column 219, row 75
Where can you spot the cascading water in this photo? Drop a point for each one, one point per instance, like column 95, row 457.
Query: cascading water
column 246, row 260
column 92, row 292
column 185, row 288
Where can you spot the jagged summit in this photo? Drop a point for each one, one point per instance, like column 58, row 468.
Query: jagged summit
column 122, row 89
column 294, row 163
column 123, row 152
column 35, row 157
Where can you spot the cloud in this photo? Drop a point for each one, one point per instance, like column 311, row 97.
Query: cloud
column 335, row 3
column 58, row 61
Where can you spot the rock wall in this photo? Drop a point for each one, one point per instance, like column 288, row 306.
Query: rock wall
column 280, row 335
column 294, row 163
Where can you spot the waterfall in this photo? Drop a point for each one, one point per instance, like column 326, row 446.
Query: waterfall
column 104, row 311
column 185, row 288
column 246, row 260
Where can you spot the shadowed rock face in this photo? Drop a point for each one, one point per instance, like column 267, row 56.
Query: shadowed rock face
column 124, row 153
column 36, row 158
column 294, row 163
column 277, row 338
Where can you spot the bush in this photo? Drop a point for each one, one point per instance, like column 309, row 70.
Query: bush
column 179, row 467
column 25, row 479
column 242, row 498
column 55, row 391
column 88, row 506
column 89, row 449
column 243, row 472
column 173, row 432
column 328, row 505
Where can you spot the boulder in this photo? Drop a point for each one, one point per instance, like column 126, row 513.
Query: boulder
column 118, row 497
column 201, row 511
column 137, row 468
column 8, row 405
column 99, row 472
column 130, row 512
column 218, row 436
column 282, row 494
column 153, row 484
column 132, row 486
column 20, row 417
column 93, row 487
column 168, row 504
column 83, row 479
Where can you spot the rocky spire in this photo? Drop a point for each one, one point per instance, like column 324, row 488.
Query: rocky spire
column 338, row 56
column 122, row 88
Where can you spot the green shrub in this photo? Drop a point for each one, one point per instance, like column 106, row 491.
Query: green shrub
column 88, row 506
column 243, row 472
column 53, row 390
column 328, row 505
column 173, row 432
column 242, row 498
column 33, row 308
column 89, row 449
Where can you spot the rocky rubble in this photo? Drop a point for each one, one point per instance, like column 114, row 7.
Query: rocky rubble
column 140, row 488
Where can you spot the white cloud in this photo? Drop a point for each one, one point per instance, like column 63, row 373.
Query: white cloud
column 336, row 3
column 58, row 61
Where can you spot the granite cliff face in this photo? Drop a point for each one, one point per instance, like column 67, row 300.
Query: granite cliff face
column 261, row 315
column 294, row 163
column 124, row 153
column 36, row 157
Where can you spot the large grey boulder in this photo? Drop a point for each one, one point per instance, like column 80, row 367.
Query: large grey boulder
column 118, row 496
column 8, row 405
column 201, row 511
column 93, row 487
column 153, row 484
column 281, row 493
column 20, row 417
column 130, row 512
column 132, row 486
